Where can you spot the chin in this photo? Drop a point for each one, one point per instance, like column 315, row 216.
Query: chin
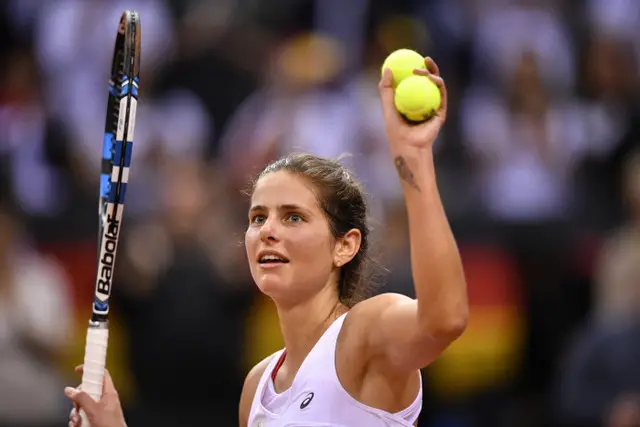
column 271, row 284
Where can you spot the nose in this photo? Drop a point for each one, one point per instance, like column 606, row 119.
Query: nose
column 268, row 231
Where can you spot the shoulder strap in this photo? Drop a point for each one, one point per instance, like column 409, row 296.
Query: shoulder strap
column 266, row 376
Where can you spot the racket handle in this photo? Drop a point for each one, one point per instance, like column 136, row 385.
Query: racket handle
column 95, row 355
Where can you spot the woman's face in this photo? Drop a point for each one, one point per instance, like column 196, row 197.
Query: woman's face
column 291, row 251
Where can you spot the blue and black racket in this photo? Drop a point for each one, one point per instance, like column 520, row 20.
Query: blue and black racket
column 116, row 160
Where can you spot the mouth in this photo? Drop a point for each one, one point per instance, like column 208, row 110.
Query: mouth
column 271, row 259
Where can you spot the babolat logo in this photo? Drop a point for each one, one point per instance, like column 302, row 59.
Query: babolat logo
column 108, row 255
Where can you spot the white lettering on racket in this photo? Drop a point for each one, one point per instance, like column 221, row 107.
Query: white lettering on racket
column 107, row 256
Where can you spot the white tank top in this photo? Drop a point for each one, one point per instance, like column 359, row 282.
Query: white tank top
column 316, row 397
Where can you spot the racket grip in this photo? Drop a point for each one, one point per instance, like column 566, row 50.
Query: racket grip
column 95, row 356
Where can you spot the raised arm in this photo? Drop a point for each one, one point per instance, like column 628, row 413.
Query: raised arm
column 410, row 333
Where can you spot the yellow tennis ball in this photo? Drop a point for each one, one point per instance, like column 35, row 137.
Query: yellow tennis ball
column 417, row 98
column 402, row 62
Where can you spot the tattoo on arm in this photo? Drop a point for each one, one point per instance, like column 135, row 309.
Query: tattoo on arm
column 404, row 172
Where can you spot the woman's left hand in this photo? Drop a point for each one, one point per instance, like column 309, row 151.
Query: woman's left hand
column 402, row 135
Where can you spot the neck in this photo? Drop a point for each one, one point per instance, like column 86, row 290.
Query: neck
column 303, row 324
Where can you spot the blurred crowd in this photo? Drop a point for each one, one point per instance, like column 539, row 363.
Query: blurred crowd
column 538, row 166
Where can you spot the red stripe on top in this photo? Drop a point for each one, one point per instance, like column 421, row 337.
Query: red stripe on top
column 278, row 365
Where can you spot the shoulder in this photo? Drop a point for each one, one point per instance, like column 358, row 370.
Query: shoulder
column 363, row 365
column 249, row 388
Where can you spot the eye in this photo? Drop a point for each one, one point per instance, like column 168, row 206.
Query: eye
column 257, row 219
column 294, row 218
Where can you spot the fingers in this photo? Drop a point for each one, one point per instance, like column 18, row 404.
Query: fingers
column 387, row 95
column 432, row 66
column 108, row 388
column 81, row 399
column 74, row 418
column 439, row 81
column 107, row 385
column 433, row 72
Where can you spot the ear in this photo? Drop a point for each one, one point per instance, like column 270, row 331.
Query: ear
column 347, row 247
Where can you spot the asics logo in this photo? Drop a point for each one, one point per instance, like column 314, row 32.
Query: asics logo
column 307, row 400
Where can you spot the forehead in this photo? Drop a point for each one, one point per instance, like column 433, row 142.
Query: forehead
column 279, row 188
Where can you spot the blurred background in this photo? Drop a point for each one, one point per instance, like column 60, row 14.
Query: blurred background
column 539, row 169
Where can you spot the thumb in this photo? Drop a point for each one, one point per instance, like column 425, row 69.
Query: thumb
column 82, row 400
column 387, row 96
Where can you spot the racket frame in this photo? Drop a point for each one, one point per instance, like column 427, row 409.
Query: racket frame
column 116, row 159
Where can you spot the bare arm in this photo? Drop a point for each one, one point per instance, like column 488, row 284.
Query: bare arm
column 410, row 333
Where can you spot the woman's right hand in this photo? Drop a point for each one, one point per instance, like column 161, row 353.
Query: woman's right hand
column 105, row 413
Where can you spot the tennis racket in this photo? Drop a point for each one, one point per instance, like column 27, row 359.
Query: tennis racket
column 116, row 159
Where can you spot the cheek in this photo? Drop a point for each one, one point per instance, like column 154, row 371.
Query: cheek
column 313, row 252
column 250, row 240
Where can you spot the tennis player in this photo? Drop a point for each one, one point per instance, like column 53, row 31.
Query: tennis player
column 346, row 362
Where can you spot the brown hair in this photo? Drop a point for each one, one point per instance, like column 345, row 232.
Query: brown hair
column 343, row 201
